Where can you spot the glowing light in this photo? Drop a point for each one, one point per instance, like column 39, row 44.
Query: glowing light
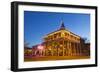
column 40, row 47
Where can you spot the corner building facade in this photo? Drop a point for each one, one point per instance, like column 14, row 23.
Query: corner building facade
column 62, row 42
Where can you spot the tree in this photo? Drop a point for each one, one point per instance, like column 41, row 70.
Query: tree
column 26, row 44
column 86, row 40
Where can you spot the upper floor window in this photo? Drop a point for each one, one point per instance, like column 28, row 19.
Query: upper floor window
column 55, row 35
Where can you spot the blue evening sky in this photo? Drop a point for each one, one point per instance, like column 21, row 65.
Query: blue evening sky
column 38, row 24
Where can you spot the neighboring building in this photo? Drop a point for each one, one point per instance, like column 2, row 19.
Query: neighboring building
column 27, row 52
column 87, row 49
column 61, row 42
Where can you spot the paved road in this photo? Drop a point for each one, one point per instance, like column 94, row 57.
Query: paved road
column 55, row 58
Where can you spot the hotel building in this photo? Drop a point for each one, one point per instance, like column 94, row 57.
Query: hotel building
column 62, row 42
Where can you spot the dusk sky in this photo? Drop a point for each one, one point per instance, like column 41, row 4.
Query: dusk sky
column 38, row 24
